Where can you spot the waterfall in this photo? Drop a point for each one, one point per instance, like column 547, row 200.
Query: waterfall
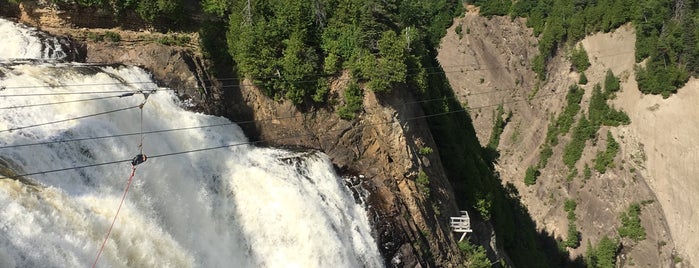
column 236, row 206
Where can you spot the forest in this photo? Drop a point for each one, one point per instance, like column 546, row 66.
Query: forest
column 292, row 49
column 667, row 33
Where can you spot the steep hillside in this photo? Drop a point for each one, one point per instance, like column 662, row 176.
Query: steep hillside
column 494, row 55
column 382, row 152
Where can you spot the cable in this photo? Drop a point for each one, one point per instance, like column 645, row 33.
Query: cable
column 56, row 103
column 126, row 190
column 82, row 85
column 268, row 140
column 194, row 88
column 302, row 81
column 214, row 125
column 65, row 93
column 251, row 78
column 69, row 119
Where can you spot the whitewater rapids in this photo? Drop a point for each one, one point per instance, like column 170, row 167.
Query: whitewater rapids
column 239, row 206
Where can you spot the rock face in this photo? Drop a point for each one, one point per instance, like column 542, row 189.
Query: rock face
column 495, row 55
column 380, row 148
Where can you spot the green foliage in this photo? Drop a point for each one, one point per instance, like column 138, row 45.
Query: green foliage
column 353, row 102
column 656, row 79
column 583, row 79
column 631, row 223
column 601, row 113
column 669, row 43
column 483, row 206
column 572, row 174
column 603, row 255
column 606, row 159
column 175, row 40
column 587, row 173
column 544, row 155
column 531, row 175
column 567, row 118
column 498, row 127
column 426, row 150
column 583, row 131
column 216, row 7
column 539, row 66
column 171, row 11
column 112, row 36
column 562, row 124
column 491, row 8
column 423, row 183
column 275, row 43
column 390, row 68
column 569, row 206
column 95, row 37
column 573, row 240
column 611, row 83
column 474, row 255
column 459, row 31
column 579, row 59
column 668, row 38
column 321, row 92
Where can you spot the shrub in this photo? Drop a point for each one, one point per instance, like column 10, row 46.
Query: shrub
column 631, row 223
column 498, row 126
column 353, row 102
column 459, row 31
column 95, row 37
column 112, row 36
column 569, row 206
column 583, row 79
column 573, row 150
column 573, row 240
column 426, row 150
column 544, row 155
column 587, row 173
column 603, row 255
column 531, row 175
column 611, row 83
column 605, row 158
column 474, row 255
column 423, row 182
column 579, row 59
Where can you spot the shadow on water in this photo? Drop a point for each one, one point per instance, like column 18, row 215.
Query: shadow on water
column 477, row 185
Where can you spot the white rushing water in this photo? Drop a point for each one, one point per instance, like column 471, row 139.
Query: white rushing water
column 239, row 206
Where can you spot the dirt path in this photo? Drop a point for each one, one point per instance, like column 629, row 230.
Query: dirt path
column 661, row 139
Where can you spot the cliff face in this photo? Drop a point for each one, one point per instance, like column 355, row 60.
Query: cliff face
column 379, row 149
column 494, row 56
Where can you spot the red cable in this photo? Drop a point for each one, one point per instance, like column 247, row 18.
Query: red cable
column 133, row 172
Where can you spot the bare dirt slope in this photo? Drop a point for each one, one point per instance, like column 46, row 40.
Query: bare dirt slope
column 666, row 132
column 487, row 65
column 499, row 51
